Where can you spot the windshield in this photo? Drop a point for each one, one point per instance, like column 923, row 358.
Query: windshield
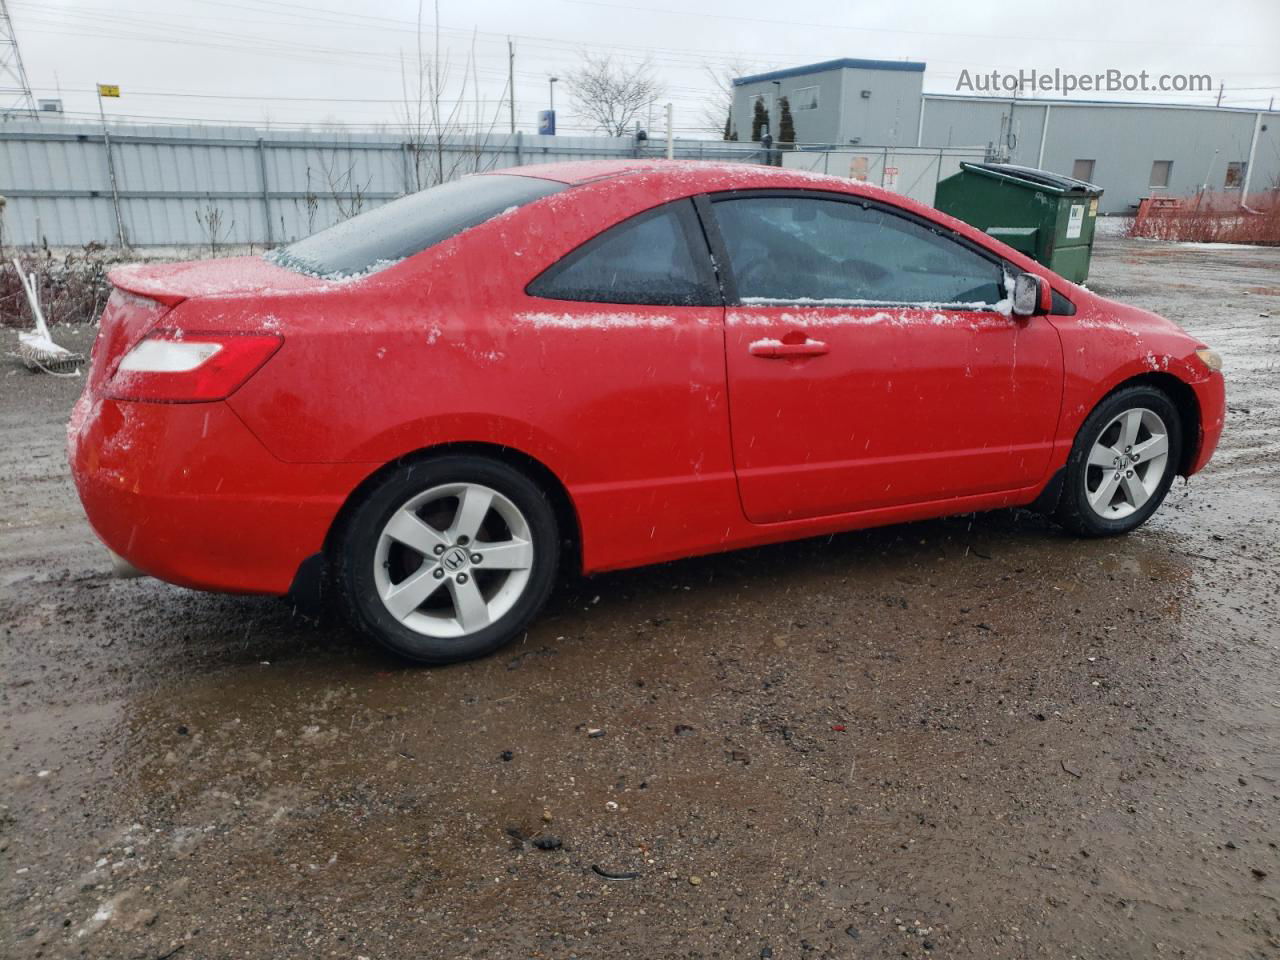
column 401, row 228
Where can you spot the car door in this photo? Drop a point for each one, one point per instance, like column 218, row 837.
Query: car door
column 627, row 333
column 870, row 361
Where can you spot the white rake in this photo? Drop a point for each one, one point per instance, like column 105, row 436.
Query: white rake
column 37, row 350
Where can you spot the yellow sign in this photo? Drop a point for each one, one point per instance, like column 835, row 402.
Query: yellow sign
column 108, row 90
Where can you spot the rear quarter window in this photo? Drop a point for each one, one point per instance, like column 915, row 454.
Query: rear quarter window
column 399, row 229
column 657, row 258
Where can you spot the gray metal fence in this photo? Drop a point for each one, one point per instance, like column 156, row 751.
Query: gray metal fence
column 236, row 185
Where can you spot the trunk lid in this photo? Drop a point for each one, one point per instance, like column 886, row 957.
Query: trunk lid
column 145, row 293
column 171, row 283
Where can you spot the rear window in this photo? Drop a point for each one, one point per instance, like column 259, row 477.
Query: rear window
column 401, row 228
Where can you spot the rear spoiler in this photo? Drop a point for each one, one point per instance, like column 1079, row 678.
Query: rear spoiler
column 140, row 280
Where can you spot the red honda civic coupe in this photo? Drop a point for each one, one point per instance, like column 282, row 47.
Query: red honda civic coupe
column 429, row 408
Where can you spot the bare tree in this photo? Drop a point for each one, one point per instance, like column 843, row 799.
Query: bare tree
column 345, row 190
column 716, row 113
column 437, row 147
column 210, row 221
column 312, row 201
column 611, row 97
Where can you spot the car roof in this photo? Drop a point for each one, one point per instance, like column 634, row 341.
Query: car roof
column 576, row 172
column 688, row 177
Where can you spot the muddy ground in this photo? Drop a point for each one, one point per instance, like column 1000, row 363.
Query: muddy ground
column 974, row 737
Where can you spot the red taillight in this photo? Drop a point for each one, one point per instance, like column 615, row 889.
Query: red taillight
column 174, row 366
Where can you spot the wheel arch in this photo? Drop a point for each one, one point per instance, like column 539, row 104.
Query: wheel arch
column 562, row 504
column 1184, row 400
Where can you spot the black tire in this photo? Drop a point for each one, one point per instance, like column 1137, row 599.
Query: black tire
column 355, row 551
column 1074, row 510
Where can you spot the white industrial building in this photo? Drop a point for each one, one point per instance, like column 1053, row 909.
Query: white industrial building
column 1132, row 150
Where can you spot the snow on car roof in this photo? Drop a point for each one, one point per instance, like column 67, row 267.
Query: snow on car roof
column 577, row 172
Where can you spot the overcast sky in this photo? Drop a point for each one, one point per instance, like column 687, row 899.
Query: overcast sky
column 294, row 63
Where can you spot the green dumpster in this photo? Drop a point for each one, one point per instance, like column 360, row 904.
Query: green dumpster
column 1045, row 215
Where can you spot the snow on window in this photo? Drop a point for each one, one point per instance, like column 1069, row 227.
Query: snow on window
column 595, row 321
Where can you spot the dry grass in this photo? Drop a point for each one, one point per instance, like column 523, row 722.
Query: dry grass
column 73, row 285
column 1213, row 219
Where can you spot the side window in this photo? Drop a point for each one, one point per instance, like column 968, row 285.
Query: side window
column 659, row 257
column 796, row 249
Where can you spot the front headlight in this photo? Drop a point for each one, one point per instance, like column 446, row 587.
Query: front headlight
column 1210, row 359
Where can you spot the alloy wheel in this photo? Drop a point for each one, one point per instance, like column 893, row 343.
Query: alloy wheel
column 453, row 559
column 1126, row 463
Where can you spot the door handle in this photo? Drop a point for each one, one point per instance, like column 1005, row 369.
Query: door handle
column 777, row 350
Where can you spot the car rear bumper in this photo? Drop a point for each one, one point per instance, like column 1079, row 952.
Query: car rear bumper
column 1211, row 393
column 186, row 493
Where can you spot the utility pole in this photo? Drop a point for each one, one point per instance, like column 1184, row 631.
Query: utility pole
column 15, row 92
column 511, row 81
column 1248, row 164
column 671, row 140
column 113, row 91
column 1011, row 138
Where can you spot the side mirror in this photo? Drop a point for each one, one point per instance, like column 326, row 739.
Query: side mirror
column 1029, row 295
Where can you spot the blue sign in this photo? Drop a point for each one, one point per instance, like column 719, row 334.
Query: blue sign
column 547, row 122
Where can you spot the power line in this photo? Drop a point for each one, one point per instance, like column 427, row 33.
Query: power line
column 364, row 126
column 156, row 29
column 1092, row 40
column 290, row 99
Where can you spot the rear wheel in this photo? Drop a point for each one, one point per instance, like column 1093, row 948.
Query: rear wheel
column 1123, row 463
column 447, row 559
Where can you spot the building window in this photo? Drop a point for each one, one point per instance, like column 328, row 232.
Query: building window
column 1082, row 170
column 1160, row 171
column 805, row 98
column 1235, row 175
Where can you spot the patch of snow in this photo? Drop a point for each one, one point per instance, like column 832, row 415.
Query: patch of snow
column 1194, row 245
column 616, row 320
column 481, row 356
column 1005, row 304
column 853, row 302
column 1113, row 324
column 280, row 258
column 123, row 298
column 1112, row 226
column 907, row 317
column 106, row 910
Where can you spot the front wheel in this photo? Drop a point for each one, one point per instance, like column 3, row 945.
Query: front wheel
column 447, row 559
column 1122, row 464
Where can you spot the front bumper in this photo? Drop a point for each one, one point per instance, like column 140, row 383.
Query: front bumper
column 186, row 493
